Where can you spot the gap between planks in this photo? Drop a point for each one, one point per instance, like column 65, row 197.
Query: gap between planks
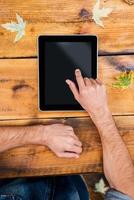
column 99, row 54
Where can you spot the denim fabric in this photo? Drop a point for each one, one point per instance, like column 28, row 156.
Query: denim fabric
column 116, row 195
column 51, row 188
column 48, row 188
column 70, row 188
column 27, row 189
column 9, row 197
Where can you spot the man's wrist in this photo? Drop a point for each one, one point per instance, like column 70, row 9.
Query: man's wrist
column 100, row 115
column 102, row 118
column 36, row 135
column 41, row 134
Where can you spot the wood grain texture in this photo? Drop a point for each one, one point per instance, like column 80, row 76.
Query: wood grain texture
column 19, row 97
column 19, row 81
column 66, row 17
column 38, row 160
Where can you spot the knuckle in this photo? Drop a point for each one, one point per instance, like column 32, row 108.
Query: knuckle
column 84, row 91
column 58, row 125
column 71, row 133
column 71, row 140
column 98, row 86
column 80, row 144
column 76, row 150
column 80, row 150
column 61, row 155
column 70, row 127
column 92, row 88
column 58, row 154
column 76, row 96
column 102, row 85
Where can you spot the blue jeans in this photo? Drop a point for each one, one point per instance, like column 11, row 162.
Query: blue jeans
column 44, row 188
column 51, row 188
column 116, row 195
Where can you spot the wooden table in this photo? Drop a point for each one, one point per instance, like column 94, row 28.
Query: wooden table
column 18, row 80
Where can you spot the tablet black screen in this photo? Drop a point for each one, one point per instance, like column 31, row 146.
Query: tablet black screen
column 59, row 61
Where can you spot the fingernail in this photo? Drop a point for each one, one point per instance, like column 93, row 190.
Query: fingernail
column 77, row 70
column 68, row 81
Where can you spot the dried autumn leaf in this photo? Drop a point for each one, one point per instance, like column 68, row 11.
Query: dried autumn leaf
column 101, row 187
column 16, row 27
column 124, row 80
column 99, row 13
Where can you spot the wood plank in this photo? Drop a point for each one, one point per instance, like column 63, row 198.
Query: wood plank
column 66, row 17
column 38, row 160
column 19, row 96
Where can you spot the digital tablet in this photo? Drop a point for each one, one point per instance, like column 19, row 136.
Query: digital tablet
column 59, row 56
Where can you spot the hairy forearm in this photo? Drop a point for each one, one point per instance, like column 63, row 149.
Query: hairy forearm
column 11, row 137
column 59, row 138
column 118, row 166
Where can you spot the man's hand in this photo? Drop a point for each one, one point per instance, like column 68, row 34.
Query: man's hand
column 118, row 165
column 91, row 94
column 61, row 140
